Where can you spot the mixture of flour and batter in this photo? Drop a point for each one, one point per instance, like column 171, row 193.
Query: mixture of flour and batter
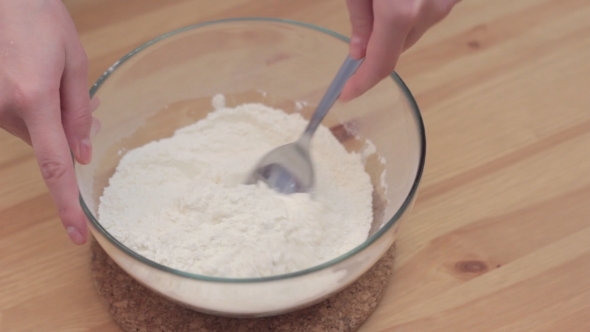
column 181, row 201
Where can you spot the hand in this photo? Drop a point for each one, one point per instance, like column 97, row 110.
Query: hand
column 44, row 98
column 381, row 31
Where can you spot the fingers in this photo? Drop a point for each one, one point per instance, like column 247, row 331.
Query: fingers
column 396, row 26
column 75, row 104
column 96, row 126
column 390, row 28
column 53, row 155
column 361, row 20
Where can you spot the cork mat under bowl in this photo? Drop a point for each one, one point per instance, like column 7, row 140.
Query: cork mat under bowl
column 137, row 309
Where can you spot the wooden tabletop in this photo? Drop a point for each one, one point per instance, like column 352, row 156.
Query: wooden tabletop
column 499, row 239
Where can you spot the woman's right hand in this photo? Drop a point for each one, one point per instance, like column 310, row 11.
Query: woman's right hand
column 382, row 30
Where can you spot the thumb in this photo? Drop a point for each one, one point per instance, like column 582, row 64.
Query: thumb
column 361, row 20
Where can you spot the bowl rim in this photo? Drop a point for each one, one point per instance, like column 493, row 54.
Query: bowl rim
column 370, row 240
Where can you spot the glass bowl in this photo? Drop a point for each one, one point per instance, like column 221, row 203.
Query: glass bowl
column 169, row 83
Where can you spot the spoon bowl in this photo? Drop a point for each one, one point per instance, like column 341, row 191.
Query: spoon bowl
column 288, row 169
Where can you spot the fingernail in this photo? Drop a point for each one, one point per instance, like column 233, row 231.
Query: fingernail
column 96, row 125
column 74, row 235
column 86, row 150
column 356, row 47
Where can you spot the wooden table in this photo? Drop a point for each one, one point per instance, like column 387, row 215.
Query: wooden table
column 499, row 239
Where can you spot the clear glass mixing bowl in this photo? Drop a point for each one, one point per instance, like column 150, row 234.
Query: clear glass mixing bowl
column 169, row 82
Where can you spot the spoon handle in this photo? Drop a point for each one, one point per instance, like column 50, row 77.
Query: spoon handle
column 348, row 68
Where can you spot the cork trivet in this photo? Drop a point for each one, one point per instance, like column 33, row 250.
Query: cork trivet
column 137, row 309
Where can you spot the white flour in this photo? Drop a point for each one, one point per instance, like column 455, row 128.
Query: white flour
column 180, row 202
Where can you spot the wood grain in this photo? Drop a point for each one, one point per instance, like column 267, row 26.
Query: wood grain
column 499, row 239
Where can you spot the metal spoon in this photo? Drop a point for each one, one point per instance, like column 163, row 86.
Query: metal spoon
column 288, row 169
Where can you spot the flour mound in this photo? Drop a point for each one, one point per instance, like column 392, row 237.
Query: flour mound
column 181, row 201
